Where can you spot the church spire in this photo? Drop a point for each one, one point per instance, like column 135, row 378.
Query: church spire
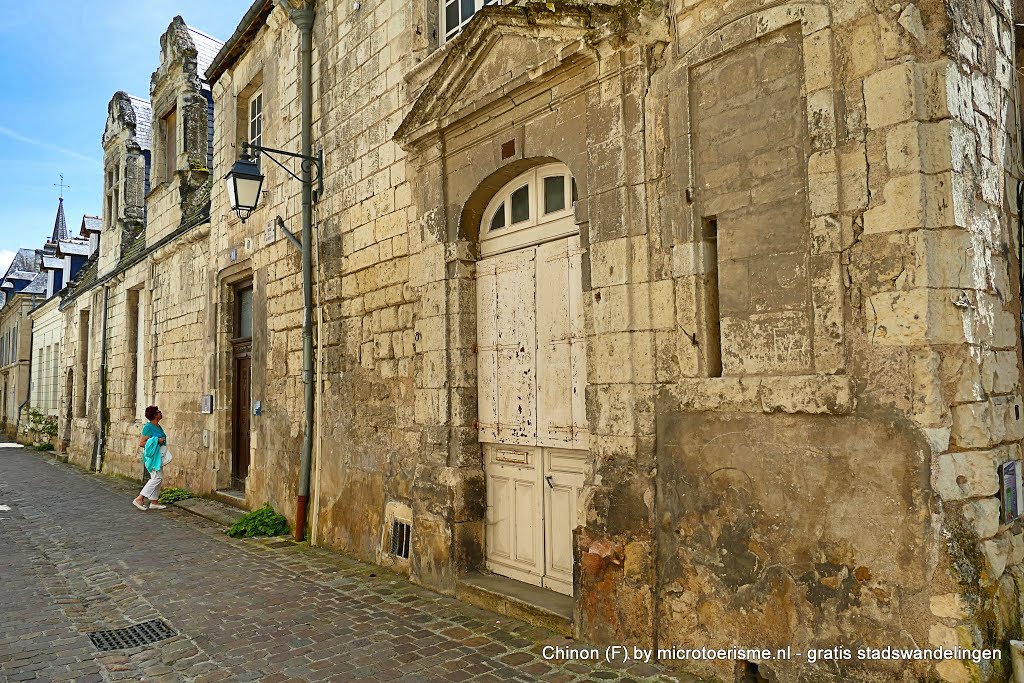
column 60, row 227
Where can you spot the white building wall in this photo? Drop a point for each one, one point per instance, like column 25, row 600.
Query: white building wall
column 46, row 342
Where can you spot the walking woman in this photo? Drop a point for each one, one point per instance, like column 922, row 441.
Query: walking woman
column 153, row 441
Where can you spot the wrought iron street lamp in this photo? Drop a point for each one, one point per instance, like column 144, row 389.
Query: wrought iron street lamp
column 244, row 184
column 245, row 181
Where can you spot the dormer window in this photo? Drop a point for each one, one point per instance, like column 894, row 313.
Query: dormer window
column 534, row 207
column 456, row 13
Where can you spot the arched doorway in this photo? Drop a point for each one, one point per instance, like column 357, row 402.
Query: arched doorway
column 532, row 376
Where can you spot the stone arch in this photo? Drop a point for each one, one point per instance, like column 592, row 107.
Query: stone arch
column 474, row 206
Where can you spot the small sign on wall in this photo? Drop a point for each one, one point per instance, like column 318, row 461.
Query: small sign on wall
column 206, row 404
column 1011, row 490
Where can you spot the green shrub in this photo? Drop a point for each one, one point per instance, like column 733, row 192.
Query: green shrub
column 172, row 494
column 261, row 522
column 41, row 424
column 44, row 446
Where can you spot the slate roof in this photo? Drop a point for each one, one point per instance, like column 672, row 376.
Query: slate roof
column 91, row 224
column 207, row 47
column 60, row 226
column 51, row 262
column 25, row 266
column 38, row 284
column 24, row 260
column 143, row 121
column 76, row 247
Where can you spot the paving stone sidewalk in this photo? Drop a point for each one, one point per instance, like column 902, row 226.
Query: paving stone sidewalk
column 76, row 556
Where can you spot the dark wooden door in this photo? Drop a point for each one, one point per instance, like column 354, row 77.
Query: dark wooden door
column 242, row 410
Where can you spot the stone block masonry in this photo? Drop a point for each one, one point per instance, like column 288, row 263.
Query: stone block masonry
column 795, row 317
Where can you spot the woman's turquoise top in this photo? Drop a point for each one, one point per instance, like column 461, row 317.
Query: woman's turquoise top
column 151, row 456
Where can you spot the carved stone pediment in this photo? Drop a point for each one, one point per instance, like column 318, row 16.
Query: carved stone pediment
column 121, row 116
column 177, row 48
column 505, row 48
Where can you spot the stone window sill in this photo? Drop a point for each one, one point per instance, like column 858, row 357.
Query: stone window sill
column 809, row 394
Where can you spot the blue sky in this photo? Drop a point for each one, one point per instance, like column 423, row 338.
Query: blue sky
column 60, row 63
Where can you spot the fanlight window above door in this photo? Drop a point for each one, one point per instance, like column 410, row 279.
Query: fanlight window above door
column 535, row 207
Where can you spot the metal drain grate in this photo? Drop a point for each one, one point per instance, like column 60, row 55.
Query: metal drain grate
column 400, row 536
column 133, row 636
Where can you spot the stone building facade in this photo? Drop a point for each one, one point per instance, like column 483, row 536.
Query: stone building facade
column 61, row 258
column 130, row 314
column 21, row 288
column 705, row 314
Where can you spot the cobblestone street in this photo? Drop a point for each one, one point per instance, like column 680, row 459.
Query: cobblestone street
column 75, row 557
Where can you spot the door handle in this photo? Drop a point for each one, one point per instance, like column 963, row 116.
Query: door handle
column 547, row 478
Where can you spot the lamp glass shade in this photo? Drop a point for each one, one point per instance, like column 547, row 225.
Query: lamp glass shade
column 244, row 183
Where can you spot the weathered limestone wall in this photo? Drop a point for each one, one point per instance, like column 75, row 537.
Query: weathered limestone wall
column 181, row 354
column 907, row 152
column 369, row 439
column 79, row 428
column 124, row 426
column 373, row 443
column 749, row 160
column 168, row 288
column 248, row 253
column 800, row 320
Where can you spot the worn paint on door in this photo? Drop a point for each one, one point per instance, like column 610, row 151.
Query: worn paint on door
column 532, row 416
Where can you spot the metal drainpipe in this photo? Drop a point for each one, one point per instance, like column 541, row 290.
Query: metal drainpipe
column 97, row 456
column 303, row 18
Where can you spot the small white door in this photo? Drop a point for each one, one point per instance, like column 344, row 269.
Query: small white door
column 515, row 536
column 563, row 483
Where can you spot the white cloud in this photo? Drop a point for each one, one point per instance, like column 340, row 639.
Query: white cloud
column 14, row 135
column 6, row 256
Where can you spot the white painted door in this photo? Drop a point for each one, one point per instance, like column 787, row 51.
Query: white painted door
column 532, row 378
column 507, row 348
column 515, row 535
column 563, row 483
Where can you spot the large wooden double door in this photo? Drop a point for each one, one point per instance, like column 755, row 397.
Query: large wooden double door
column 532, row 381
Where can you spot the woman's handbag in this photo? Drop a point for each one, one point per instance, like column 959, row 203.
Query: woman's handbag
column 165, row 456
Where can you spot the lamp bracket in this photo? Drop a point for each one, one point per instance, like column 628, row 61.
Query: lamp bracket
column 288, row 233
column 309, row 164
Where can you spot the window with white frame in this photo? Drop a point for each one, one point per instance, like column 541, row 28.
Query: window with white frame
column 456, row 13
column 255, row 112
column 535, row 207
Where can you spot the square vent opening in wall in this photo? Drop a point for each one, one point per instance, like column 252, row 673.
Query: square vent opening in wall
column 401, row 535
column 395, row 546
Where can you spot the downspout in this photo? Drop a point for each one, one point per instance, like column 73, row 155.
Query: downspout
column 318, row 417
column 303, row 18
column 98, row 455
